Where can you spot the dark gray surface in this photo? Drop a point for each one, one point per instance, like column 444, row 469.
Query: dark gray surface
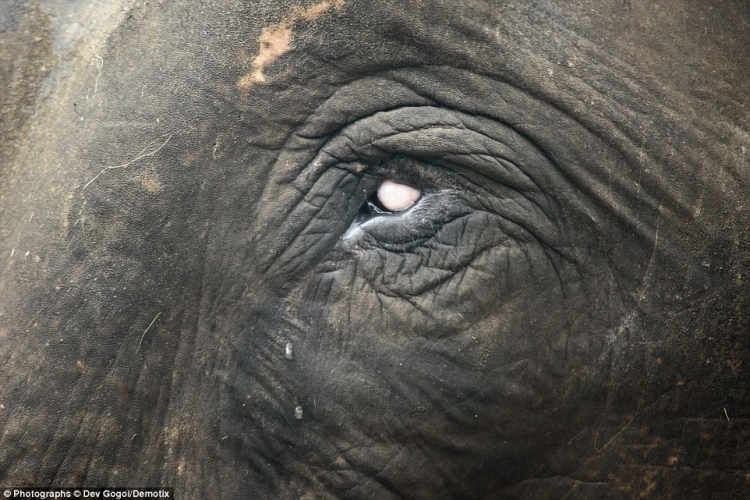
column 564, row 313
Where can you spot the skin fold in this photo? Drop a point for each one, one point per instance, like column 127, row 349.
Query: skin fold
column 200, row 288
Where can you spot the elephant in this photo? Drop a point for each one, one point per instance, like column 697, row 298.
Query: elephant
column 376, row 249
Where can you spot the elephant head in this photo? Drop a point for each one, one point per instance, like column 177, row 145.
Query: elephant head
column 355, row 249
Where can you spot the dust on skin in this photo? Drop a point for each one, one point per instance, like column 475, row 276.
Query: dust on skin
column 274, row 41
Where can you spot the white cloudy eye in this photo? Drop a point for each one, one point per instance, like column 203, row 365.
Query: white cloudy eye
column 395, row 197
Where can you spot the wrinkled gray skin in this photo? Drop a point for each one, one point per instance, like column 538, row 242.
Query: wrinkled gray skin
column 564, row 314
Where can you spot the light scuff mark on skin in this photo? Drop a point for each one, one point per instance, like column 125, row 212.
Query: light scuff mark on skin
column 150, row 183
column 275, row 41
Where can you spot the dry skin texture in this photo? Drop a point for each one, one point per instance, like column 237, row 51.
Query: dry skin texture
column 201, row 286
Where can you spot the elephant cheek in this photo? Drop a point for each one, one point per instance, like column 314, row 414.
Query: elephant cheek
column 475, row 369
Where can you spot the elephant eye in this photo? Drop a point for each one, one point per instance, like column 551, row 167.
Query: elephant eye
column 393, row 196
